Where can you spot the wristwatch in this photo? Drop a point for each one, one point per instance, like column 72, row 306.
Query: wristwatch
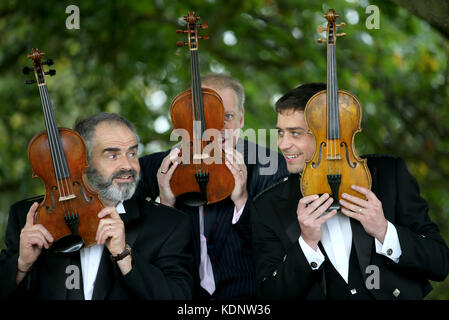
column 122, row 255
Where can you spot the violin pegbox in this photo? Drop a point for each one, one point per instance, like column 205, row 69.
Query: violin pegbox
column 331, row 17
column 192, row 31
column 36, row 56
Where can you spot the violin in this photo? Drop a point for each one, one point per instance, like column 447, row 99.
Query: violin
column 334, row 117
column 58, row 157
column 202, row 176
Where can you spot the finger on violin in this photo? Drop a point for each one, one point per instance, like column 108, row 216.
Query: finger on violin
column 31, row 213
column 367, row 192
column 232, row 168
column 326, row 216
column 351, row 206
column 104, row 224
column 37, row 239
column 174, row 154
column 172, row 169
column 318, row 202
column 303, row 202
column 352, row 214
column 321, row 209
column 45, row 233
column 108, row 211
column 355, row 200
column 104, row 233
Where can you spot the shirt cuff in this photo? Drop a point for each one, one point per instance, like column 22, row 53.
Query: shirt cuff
column 315, row 258
column 237, row 214
column 391, row 248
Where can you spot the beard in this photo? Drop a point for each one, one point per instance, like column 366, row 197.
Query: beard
column 107, row 190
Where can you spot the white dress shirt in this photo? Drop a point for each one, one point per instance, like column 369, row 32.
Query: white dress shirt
column 207, row 280
column 90, row 261
column 337, row 241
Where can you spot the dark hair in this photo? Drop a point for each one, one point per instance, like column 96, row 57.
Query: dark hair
column 86, row 127
column 297, row 98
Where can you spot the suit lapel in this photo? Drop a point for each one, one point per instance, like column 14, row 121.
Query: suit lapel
column 288, row 203
column 363, row 244
column 56, row 267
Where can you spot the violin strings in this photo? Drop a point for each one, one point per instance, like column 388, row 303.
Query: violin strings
column 55, row 147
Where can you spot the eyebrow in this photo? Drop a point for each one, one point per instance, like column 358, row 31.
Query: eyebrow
column 291, row 128
column 118, row 149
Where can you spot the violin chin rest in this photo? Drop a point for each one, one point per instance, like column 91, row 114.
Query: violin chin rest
column 192, row 199
column 68, row 243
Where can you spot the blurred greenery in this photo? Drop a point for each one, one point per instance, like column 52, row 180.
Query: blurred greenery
column 124, row 59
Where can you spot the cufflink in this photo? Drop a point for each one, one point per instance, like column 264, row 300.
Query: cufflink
column 275, row 273
column 390, row 252
column 313, row 265
column 396, row 292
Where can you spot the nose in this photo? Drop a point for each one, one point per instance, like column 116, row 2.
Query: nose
column 284, row 142
column 125, row 163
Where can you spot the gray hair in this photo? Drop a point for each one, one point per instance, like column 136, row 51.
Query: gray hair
column 86, row 127
column 222, row 81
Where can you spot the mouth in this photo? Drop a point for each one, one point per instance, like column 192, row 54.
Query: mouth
column 124, row 178
column 289, row 157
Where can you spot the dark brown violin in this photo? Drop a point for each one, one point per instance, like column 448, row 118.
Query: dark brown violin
column 58, row 157
column 334, row 117
column 202, row 177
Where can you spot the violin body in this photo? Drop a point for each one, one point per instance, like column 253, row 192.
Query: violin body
column 184, row 180
column 58, row 157
column 202, row 177
column 334, row 156
column 54, row 208
column 334, row 117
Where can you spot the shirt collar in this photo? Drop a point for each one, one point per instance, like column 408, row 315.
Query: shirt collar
column 120, row 208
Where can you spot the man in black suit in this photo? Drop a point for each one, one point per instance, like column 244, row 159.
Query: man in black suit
column 222, row 231
column 142, row 249
column 384, row 247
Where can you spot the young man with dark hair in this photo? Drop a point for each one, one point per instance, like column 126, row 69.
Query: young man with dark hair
column 384, row 247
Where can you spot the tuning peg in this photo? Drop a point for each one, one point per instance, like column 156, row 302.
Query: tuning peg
column 181, row 31
column 30, row 81
column 320, row 40
column 203, row 25
column 181, row 43
column 48, row 62
column 341, row 25
column 341, row 34
column 27, row 70
column 204, row 37
column 51, row 72
column 320, row 29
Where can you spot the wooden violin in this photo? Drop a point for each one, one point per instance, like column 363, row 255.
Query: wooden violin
column 202, row 177
column 58, row 157
column 334, row 117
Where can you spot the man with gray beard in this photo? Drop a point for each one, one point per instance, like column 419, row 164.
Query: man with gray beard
column 142, row 249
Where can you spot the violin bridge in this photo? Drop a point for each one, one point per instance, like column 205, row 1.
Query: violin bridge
column 333, row 157
column 65, row 198
column 201, row 156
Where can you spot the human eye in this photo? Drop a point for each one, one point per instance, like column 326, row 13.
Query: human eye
column 280, row 133
column 229, row 116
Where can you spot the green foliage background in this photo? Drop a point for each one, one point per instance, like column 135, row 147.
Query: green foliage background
column 124, row 56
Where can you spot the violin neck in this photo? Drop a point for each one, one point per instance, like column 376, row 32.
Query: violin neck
column 54, row 139
column 197, row 95
column 333, row 121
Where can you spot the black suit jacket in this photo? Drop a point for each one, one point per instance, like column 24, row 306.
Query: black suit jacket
column 161, row 259
column 282, row 270
column 229, row 247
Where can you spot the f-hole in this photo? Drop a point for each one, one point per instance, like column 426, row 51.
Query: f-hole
column 352, row 165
